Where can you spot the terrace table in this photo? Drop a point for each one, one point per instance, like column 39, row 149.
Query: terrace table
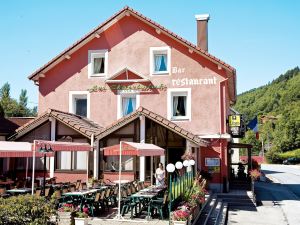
column 79, row 196
column 147, row 194
column 19, row 191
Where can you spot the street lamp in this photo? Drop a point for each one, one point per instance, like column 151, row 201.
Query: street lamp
column 170, row 168
column 45, row 150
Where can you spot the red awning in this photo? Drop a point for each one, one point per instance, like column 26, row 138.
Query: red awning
column 132, row 148
column 25, row 149
column 63, row 146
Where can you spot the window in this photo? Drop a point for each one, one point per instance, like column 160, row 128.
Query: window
column 112, row 163
column 98, row 60
column 127, row 103
column 160, row 60
column 71, row 160
column 79, row 103
column 179, row 104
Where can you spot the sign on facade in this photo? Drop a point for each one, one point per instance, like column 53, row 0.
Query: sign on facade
column 213, row 165
column 212, row 161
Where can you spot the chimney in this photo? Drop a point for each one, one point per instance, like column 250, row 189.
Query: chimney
column 202, row 36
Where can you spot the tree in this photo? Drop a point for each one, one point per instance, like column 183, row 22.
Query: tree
column 23, row 110
column 11, row 107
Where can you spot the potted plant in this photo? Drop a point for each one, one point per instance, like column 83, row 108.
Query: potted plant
column 66, row 214
column 81, row 218
column 181, row 216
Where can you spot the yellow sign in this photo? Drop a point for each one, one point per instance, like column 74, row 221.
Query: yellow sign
column 235, row 120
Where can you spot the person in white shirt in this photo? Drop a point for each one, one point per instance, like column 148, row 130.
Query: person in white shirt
column 160, row 175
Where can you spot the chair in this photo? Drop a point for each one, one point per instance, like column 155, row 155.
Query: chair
column 65, row 190
column 159, row 204
column 77, row 184
column 83, row 186
column 47, row 192
column 133, row 189
column 72, row 188
column 127, row 205
column 2, row 191
column 38, row 192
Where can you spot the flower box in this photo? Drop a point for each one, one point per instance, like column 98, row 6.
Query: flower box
column 177, row 222
column 81, row 221
column 65, row 218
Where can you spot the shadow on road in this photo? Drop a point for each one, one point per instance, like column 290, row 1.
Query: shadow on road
column 271, row 172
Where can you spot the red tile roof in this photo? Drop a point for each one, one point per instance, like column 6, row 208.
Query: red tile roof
column 156, row 118
column 141, row 17
column 10, row 124
column 80, row 124
column 87, row 127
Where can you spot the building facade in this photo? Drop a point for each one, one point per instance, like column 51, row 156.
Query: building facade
column 131, row 79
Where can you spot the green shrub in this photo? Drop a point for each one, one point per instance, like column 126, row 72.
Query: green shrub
column 289, row 154
column 25, row 210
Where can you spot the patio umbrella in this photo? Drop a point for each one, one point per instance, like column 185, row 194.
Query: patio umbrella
column 131, row 148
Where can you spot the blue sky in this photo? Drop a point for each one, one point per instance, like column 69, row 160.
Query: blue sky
column 261, row 39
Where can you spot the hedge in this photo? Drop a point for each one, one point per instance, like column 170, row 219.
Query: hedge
column 25, row 210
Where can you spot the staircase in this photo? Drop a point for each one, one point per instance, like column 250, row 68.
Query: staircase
column 240, row 185
column 215, row 211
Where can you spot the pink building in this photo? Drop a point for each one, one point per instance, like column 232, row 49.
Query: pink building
column 132, row 79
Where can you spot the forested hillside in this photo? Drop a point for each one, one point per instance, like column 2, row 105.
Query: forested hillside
column 280, row 102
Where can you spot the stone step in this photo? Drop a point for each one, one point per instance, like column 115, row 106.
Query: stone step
column 206, row 211
column 222, row 219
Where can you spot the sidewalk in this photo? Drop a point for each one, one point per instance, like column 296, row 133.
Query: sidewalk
column 277, row 206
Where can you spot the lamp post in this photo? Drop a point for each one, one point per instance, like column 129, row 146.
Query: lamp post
column 179, row 166
column 45, row 150
column 170, row 168
column 186, row 164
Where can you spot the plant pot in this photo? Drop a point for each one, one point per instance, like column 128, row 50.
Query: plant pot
column 195, row 212
column 65, row 218
column 176, row 222
column 81, row 221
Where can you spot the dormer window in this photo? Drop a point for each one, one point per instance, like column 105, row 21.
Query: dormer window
column 98, row 60
column 160, row 60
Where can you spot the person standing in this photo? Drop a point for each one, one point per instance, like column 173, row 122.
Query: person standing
column 160, row 175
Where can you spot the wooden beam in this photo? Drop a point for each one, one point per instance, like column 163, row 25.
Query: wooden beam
column 191, row 50
column 158, row 31
column 97, row 35
column 42, row 75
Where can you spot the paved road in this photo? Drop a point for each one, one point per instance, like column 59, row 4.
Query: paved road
column 280, row 201
column 285, row 193
column 287, row 175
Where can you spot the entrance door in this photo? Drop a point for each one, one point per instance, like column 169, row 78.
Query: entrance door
column 174, row 155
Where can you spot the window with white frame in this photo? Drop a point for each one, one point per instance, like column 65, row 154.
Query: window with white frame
column 160, row 60
column 127, row 103
column 79, row 103
column 98, row 61
column 72, row 160
column 179, row 104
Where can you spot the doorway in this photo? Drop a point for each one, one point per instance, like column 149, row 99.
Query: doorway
column 174, row 154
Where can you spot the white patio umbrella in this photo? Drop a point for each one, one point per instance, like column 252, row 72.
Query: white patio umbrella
column 131, row 148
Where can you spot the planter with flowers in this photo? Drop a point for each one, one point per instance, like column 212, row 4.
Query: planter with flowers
column 66, row 214
column 255, row 175
column 81, row 218
column 181, row 216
